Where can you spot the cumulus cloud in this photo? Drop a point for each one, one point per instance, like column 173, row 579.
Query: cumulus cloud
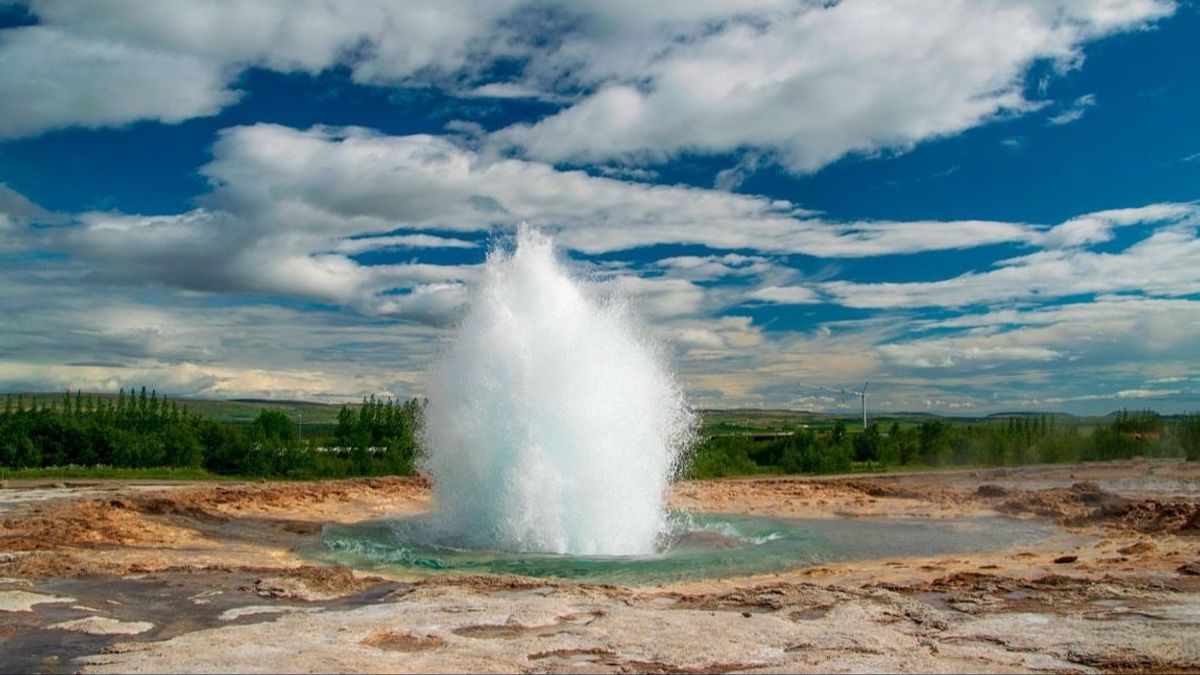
column 290, row 208
column 51, row 79
column 296, row 214
column 804, row 83
column 219, row 252
column 353, row 180
column 813, row 83
column 111, row 63
column 381, row 41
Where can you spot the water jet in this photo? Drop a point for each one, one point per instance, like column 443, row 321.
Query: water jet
column 554, row 423
column 553, row 429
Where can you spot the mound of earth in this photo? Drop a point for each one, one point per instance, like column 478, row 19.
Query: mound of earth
column 1085, row 503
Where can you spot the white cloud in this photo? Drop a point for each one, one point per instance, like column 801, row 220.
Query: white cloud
column 662, row 298
column 17, row 214
column 1015, row 144
column 1163, row 263
column 804, row 83
column 1083, row 346
column 190, row 379
column 712, row 337
column 79, row 335
column 713, row 267
column 285, row 36
column 1145, row 393
column 1094, row 228
column 51, row 79
column 112, row 63
column 814, row 83
column 785, row 295
column 404, row 241
column 343, row 181
column 1075, row 112
column 381, row 41
column 222, row 253
column 17, row 210
column 289, row 207
column 951, row 353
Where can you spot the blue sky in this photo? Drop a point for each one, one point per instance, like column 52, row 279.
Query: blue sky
column 975, row 206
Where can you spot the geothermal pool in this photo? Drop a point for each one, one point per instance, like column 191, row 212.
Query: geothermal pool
column 694, row 546
column 553, row 429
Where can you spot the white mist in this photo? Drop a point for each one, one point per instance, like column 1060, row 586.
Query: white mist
column 553, row 423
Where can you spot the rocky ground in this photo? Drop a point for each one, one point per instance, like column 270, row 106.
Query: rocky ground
column 117, row 576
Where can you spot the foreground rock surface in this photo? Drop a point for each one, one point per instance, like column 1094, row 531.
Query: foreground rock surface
column 120, row 577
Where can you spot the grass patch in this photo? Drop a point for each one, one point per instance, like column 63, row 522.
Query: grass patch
column 108, row 472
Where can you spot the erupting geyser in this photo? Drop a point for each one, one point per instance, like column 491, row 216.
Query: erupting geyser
column 554, row 423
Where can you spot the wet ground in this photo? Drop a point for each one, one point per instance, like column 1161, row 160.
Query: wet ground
column 119, row 576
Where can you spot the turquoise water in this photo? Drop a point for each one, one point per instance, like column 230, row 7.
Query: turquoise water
column 698, row 546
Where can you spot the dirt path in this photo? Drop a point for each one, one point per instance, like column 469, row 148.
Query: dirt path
column 119, row 576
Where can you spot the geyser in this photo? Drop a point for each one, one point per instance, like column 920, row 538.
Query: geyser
column 554, row 423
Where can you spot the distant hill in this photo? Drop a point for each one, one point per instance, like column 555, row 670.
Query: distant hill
column 274, row 402
column 239, row 411
column 1027, row 413
column 244, row 410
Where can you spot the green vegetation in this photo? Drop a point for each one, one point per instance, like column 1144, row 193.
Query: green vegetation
column 129, row 436
column 1187, row 431
column 145, row 432
column 108, row 472
column 739, row 444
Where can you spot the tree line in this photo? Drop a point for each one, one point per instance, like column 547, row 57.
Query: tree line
column 1010, row 441
column 138, row 430
column 143, row 430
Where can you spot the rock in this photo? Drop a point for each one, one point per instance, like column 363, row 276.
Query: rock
column 23, row 601
column 102, row 625
column 1065, row 559
column 1191, row 569
column 746, row 614
column 59, row 485
column 992, row 490
column 1142, row 546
